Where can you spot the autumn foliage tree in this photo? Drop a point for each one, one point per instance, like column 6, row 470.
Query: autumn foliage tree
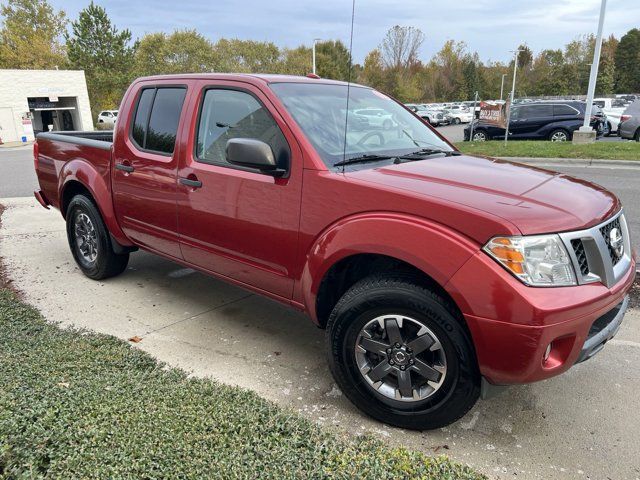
column 31, row 35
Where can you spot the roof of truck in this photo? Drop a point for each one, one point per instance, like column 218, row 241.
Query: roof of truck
column 266, row 78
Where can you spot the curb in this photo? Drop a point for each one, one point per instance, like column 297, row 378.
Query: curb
column 578, row 162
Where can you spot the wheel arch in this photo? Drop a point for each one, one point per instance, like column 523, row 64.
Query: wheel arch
column 375, row 243
column 78, row 177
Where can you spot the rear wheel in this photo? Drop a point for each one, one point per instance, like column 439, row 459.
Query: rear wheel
column 559, row 136
column 400, row 354
column 637, row 136
column 480, row 136
column 457, row 121
column 90, row 242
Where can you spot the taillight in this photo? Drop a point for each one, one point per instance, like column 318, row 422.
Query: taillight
column 624, row 118
column 36, row 151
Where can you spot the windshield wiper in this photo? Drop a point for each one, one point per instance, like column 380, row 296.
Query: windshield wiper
column 363, row 159
column 425, row 152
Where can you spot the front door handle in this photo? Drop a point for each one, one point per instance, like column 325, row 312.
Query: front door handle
column 125, row 168
column 191, row 182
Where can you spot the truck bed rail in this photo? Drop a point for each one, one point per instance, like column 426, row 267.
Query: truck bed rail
column 97, row 139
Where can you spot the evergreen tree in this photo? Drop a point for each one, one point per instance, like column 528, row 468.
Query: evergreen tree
column 105, row 54
column 627, row 61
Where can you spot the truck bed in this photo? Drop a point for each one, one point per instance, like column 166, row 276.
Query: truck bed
column 61, row 155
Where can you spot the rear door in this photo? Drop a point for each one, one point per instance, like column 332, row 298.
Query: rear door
column 145, row 168
column 531, row 120
column 234, row 221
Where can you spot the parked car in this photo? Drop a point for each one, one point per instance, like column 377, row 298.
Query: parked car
column 436, row 278
column 108, row 117
column 459, row 114
column 613, row 108
column 554, row 121
column 630, row 122
column 377, row 117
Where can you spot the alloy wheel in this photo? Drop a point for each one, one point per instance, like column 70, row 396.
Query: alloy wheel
column 86, row 238
column 400, row 358
column 559, row 137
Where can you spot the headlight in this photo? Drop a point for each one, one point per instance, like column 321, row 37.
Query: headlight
column 540, row 261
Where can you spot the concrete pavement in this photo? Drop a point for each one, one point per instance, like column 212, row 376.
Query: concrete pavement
column 582, row 424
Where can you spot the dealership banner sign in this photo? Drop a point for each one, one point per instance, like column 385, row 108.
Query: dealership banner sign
column 492, row 113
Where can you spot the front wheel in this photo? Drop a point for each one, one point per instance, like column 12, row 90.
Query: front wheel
column 90, row 242
column 400, row 354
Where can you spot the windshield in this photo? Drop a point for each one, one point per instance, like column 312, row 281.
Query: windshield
column 376, row 124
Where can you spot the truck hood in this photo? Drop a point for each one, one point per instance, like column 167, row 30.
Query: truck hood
column 535, row 200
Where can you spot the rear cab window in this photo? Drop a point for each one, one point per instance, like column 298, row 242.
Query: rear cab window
column 155, row 123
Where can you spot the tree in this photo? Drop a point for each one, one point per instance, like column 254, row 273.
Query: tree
column 31, row 35
column 606, row 84
column 401, row 46
column 246, row 56
column 184, row 51
column 333, row 60
column 627, row 62
column 105, row 54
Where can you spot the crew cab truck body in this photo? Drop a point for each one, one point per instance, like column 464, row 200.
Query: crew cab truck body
column 434, row 274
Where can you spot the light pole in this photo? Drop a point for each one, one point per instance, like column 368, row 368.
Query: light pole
column 516, row 54
column 315, row 40
column 502, row 86
column 586, row 133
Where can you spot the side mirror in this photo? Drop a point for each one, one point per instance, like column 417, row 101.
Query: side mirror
column 252, row 153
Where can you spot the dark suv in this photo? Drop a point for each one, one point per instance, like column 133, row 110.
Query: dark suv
column 555, row 121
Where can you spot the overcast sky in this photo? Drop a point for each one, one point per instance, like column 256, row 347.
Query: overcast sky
column 490, row 27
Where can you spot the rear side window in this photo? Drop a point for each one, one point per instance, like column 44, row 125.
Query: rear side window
column 537, row 111
column 227, row 114
column 157, row 116
column 564, row 110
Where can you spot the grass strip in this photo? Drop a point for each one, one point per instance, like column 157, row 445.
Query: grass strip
column 75, row 404
column 541, row 149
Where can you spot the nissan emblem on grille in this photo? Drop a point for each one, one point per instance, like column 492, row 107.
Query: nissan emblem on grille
column 616, row 242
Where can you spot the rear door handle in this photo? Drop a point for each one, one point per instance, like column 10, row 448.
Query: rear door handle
column 190, row 182
column 125, row 168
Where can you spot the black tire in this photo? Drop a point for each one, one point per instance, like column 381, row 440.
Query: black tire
column 107, row 263
column 380, row 295
column 480, row 136
column 637, row 135
column 559, row 133
column 608, row 131
column 457, row 121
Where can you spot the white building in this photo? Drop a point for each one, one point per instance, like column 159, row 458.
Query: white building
column 33, row 101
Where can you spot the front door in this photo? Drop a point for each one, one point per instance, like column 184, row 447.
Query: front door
column 145, row 169
column 239, row 222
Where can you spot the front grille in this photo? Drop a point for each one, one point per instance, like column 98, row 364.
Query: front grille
column 606, row 231
column 581, row 256
column 594, row 257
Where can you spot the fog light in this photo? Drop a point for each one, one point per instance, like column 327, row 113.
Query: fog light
column 547, row 352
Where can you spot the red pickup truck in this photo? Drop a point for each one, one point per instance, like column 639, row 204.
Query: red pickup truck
column 437, row 276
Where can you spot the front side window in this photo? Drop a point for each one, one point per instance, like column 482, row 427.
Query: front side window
column 157, row 116
column 227, row 114
column 375, row 124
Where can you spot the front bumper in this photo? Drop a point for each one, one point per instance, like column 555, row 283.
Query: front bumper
column 512, row 324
